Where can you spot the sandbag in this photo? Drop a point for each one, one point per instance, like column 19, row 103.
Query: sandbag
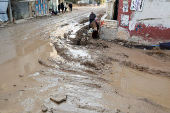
column 165, row 45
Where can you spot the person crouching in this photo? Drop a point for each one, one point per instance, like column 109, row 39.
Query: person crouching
column 95, row 26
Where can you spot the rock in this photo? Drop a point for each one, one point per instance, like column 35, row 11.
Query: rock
column 44, row 108
column 21, row 75
column 58, row 98
column 22, row 90
column 65, row 35
column 118, row 111
column 59, row 37
column 14, row 85
column 129, row 106
column 69, row 33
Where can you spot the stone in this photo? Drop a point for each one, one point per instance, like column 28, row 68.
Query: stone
column 65, row 35
column 58, row 98
column 44, row 108
column 21, row 75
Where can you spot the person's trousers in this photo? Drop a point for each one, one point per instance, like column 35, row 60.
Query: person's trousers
column 95, row 34
column 62, row 10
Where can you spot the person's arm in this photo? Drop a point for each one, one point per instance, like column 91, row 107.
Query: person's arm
column 97, row 25
column 89, row 18
column 91, row 25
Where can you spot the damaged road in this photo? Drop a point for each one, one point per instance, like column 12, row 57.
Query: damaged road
column 78, row 74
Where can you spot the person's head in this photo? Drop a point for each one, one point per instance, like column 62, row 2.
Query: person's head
column 96, row 19
column 91, row 12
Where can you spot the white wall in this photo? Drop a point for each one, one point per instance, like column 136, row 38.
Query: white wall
column 110, row 8
column 155, row 13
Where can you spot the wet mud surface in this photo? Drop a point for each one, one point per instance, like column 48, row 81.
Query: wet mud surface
column 63, row 72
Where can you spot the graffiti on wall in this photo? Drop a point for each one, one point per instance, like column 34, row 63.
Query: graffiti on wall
column 124, row 20
column 41, row 7
column 137, row 5
column 125, row 6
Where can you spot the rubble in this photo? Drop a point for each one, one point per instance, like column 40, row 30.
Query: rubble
column 59, row 98
column 21, row 75
column 44, row 108
column 65, row 35
column 45, row 64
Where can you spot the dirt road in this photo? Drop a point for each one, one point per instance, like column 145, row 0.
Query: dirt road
column 42, row 68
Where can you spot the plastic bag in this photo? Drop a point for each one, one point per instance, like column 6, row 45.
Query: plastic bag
column 90, row 30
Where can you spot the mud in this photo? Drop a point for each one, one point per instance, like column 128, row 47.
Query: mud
column 42, row 62
column 64, row 24
column 159, row 54
column 98, row 63
column 131, row 44
column 93, row 61
column 95, row 76
column 145, row 69
column 80, row 38
column 84, row 21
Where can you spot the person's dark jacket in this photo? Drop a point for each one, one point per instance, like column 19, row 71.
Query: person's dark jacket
column 92, row 17
column 70, row 5
column 58, row 7
column 62, row 5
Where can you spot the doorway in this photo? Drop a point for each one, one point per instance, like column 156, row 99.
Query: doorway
column 116, row 6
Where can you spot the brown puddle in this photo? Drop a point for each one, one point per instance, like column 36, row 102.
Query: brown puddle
column 16, row 60
column 152, row 87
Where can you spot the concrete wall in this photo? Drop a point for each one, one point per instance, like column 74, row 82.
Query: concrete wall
column 21, row 9
column 150, row 25
column 108, row 29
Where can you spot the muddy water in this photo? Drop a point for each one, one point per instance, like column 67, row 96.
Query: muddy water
column 152, row 87
column 20, row 49
column 22, row 91
column 21, row 59
column 33, row 88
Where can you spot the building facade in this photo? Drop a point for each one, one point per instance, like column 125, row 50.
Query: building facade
column 22, row 9
column 144, row 21
column 41, row 7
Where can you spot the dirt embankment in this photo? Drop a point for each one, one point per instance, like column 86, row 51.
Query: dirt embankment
column 154, row 53
column 98, row 61
column 80, row 60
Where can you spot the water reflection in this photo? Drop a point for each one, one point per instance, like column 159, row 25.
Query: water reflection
column 22, row 59
column 153, row 87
